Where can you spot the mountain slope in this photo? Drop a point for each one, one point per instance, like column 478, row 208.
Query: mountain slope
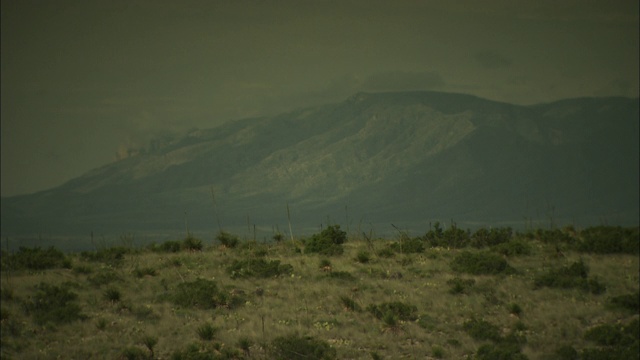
column 402, row 158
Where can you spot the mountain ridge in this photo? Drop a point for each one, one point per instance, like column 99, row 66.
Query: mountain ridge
column 403, row 157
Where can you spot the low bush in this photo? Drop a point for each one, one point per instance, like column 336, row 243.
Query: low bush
column 227, row 240
column 572, row 276
column 203, row 294
column 259, row 268
column 363, row 257
column 407, row 245
column 112, row 256
column 53, row 304
column 38, row 259
column 397, row 309
column 328, row 242
column 112, row 295
column 296, row 347
column 482, row 330
column 490, row 237
column 617, row 341
column 169, row 246
column 610, row 240
column 627, row 302
column 144, row 271
column 103, row 278
column 191, row 243
column 459, row 286
column 513, row 247
column 350, row 304
column 481, row 263
column 206, row 332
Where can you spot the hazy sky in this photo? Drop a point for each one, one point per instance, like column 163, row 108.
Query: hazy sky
column 81, row 79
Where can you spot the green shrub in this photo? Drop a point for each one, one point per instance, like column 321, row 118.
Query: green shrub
column 408, row 245
column 482, row 330
column 295, row 347
column 610, row 240
column 609, row 335
column 628, row 302
column 363, row 257
column 515, row 309
column 482, row 263
column 191, row 243
column 397, row 309
column 490, row 237
column 572, row 276
column 103, row 278
column 54, row 304
column 386, row 252
column 169, row 246
column 149, row 342
column 133, row 353
column 260, row 268
column 513, row 248
column 203, row 294
column 142, row 272
column 227, row 240
column 38, row 259
column 112, row 295
column 111, row 256
column 328, row 242
column 459, row 286
column 206, row 332
column 566, row 352
column 500, row 351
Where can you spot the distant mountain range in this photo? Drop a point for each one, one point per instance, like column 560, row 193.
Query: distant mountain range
column 376, row 159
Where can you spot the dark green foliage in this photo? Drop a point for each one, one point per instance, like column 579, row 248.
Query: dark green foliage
column 482, row 330
column 328, row 242
column 363, row 257
column 490, row 237
column 324, row 263
column 566, row 352
column 142, row 272
column 572, row 276
column 295, row 347
column 38, row 259
column 481, row 263
column 513, row 248
column 112, row 295
column 134, row 353
column 385, row 252
column 427, row 322
column 628, row 302
column 206, row 332
column 203, row 294
column 227, row 239
column 500, row 351
column 83, row 269
column 515, row 309
column 614, row 341
column 53, row 304
column 341, row 275
column 191, row 243
column 407, row 245
column 397, row 309
column 111, row 256
column 260, row 268
column 554, row 236
column 103, row 278
column 203, row 352
column 169, row 246
column 610, row 240
column 150, row 342
column 350, row 304
column 453, row 237
column 459, row 285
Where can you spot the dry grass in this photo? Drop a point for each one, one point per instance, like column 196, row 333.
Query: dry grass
column 308, row 302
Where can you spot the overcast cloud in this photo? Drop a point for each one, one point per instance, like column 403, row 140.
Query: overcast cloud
column 81, row 79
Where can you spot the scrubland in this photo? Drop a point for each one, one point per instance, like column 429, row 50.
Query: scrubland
column 447, row 294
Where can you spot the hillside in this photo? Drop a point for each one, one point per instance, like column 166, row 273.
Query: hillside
column 376, row 158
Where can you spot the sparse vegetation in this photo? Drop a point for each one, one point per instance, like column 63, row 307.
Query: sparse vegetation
column 453, row 293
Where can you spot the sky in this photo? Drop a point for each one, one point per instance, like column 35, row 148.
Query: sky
column 83, row 80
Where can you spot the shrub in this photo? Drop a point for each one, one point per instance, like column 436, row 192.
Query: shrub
column 397, row 309
column 610, row 240
column 133, row 353
column 572, row 276
column 103, row 278
column 112, row 295
column 206, row 332
column 566, row 352
column 170, row 246
column 227, row 239
column 385, row 252
column 515, row 309
column 203, row 294
column 38, row 259
column 499, row 351
column 328, row 242
column 192, row 244
column 111, row 256
column 482, row 330
column 490, row 237
column 513, row 248
column 295, row 347
column 408, row 245
column 54, row 304
column 260, row 268
column 483, row 263
column 459, row 286
column 341, row 275
column 142, row 272
column 628, row 302
column 363, row 257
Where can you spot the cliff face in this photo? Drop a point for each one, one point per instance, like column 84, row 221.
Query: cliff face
column 402, row 158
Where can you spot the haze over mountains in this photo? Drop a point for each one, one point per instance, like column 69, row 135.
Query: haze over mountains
column 407, row 158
